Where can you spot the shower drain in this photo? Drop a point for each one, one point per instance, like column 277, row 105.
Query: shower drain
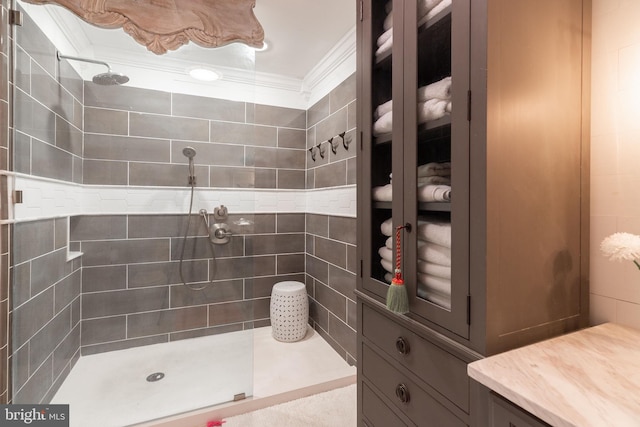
column 156, row 376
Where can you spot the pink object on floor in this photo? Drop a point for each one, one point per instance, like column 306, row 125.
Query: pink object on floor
column 215, row 423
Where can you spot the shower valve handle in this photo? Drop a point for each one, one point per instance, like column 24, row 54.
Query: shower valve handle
column 221, row 233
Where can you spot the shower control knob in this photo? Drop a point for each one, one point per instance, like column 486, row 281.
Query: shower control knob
column 219, row 233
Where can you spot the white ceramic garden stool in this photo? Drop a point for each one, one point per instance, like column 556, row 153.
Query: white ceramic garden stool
column 289, row 311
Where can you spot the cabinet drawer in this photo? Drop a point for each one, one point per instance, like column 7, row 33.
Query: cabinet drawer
column 416, row 403
column 441, row 370
column 503, row 413
column 376, row 412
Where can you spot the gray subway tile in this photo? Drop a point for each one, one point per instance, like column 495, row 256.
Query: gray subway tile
column 104, row 172
column 318, row 225
column 343, row 335
column 209, row 153
column 258, row 223
column 67, row 351
column 36, row 387
column 331, row 251
column 291, row 179
column 96, row 331
column 48, row 92
column 51, row 162
column 245, row 267
column 108, row 278
column 114, row 303
column 265, row 178
column 343, row 94
column 154, row 174
column 199, row 248
column 275, row 244
column 208, row 108
column 291, row 222
column 33, row 118
column 332, row 125
column 319, row 111
column 124, row 251
column 277, row 116
column 60, row 236
column 42, row 344
column 292, row 138
column 70, row 80
column 32, row 239
column 30, row 317
column 332, row 300
column 290, row 263
column 317, row 268
column 342, row 229
column 215, row 292
column 101, row 120
column 97, row 227
column 67, row 290
column 21, row 285
column 352, row 115
column 229, row 177
column 159, row 126
column 244, row 134
column 166, row 321
column 165, row 226
column 22, row 77
column 352, row 259
column 241, row 311
column 275, row 158
column 352, row 315
column 352, row 172
column 114, row 147
column 31, row 38
column 167, row 273
column 342, row 281
column 332, row 175
column 127, row 98
column 48, row 269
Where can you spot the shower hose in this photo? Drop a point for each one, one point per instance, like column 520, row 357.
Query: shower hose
column 192, row 183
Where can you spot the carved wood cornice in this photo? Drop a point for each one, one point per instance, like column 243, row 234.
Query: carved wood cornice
column 163, row 25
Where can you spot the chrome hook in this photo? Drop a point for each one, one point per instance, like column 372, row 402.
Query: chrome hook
column 320, row 149
column 312, row 150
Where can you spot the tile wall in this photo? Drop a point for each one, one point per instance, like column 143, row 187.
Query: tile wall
column 615, row 152
column 127, row 285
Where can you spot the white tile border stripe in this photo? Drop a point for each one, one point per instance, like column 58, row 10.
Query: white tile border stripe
column 45, row 198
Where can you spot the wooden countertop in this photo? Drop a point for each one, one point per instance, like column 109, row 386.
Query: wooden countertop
column 585, row 378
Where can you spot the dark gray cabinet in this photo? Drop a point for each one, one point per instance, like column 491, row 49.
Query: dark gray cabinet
column 474, row 134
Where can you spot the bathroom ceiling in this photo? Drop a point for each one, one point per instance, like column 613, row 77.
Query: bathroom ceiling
column 299, row 33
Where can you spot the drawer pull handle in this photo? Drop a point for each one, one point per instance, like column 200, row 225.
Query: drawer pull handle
column 402, row 392
column 402, row 346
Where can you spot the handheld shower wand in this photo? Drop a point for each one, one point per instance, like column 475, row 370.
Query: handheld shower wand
column 190, row 153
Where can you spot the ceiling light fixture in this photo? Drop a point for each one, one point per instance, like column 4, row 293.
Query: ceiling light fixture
column 204, row 74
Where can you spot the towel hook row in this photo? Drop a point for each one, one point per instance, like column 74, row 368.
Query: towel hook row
column 333, row 141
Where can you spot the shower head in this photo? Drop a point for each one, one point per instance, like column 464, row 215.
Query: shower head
column 189, row 152
column 109, row 78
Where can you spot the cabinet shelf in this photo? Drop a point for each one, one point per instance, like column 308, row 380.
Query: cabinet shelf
column 434, row 206
column 443, row 14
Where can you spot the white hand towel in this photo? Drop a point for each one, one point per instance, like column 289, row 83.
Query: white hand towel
column 435, row 169
column 435, row 284
column 436, row 180
column 437, row 90
column 389, row 243
column 448, row 107
column 382, row 193
column 436, row 10
column 388, row 21
column 383, row 124
column 387, row 227
column 434, row 193
column 384, row 37
column 436, row 270
column 388, row 277
column 424, row 6
column 382, row 109
column 438, row 232
column 386, row 46
column 436, row 254
column 386, row 253
column 387, row 265
column 432, row 109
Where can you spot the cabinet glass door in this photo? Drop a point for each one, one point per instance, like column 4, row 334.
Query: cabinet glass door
column 436, row 160
column 382, row 135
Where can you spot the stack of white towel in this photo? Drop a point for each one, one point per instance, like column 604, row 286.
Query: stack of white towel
column 434, row 100
column 434, row 184
column 434, row 261
column 427, row 9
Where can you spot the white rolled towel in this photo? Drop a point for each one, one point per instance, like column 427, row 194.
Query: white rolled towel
column 387, row 265
column 384, row 37
column 433, row 231
column 440, row 300
column 382, row 109
column 435, row 284
column 387, row 227
column 448, row 107
column 434, row 269
column 389, row 243
column 424, row 6
column 383, row 124
column 388, row 21
column 386, row 46
column 388, row 277
column 436, row 180
column 436, row 90
column 436, row 10
column 432, row 109
column 434, row 193
column 434, row 169
column 386, row 253
column 382, row 193
column 434, row 253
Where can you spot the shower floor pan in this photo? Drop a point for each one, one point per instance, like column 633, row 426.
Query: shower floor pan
column 112, row 390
